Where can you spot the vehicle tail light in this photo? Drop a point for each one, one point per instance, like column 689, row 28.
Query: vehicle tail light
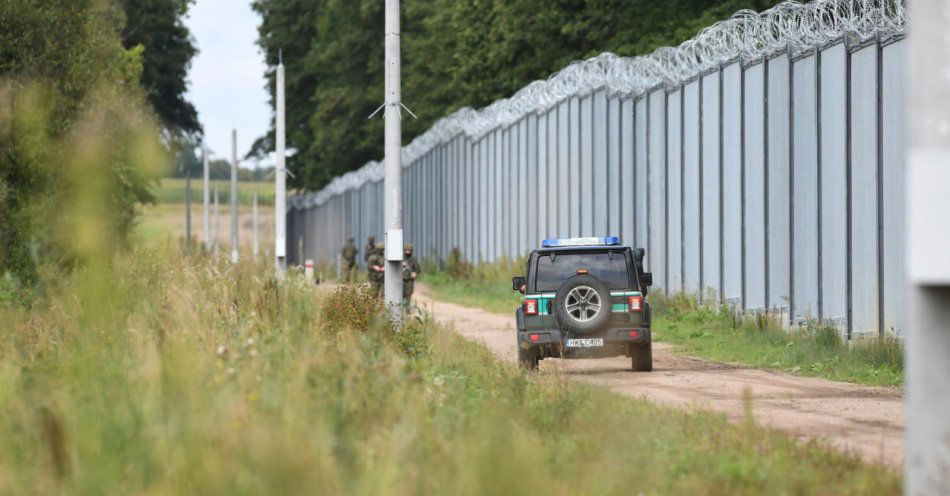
column 635, row 303
column 530, row 307
column 534, row 337
column 634, row 334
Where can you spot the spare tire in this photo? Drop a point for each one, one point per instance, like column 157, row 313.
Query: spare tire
column 582, row 304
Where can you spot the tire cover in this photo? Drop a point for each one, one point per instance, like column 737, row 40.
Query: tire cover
column 599, row 294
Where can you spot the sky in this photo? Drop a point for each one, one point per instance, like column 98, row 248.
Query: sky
column 227, row 75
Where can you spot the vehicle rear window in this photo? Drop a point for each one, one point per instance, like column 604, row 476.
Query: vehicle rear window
column 550, row 274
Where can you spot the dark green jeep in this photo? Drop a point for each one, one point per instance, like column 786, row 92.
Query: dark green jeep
column 584, row 298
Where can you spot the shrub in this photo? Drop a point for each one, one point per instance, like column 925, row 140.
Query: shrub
column 351, row 306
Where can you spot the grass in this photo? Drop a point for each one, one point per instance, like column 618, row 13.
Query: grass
column 172, row 190
column 486, row 286
column 709, row 332
column 760, row 341
column 162, row 373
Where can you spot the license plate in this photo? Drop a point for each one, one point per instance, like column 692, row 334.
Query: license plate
column 584, row 343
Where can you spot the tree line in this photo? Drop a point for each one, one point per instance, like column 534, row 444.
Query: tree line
column 455, row 53
column 91, row 108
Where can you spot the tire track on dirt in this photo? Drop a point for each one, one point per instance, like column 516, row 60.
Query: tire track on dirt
column 868, row 421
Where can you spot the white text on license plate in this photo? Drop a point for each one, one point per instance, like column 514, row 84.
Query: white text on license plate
column 584, row 343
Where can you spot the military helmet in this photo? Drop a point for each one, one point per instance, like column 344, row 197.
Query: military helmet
column 380, row 246
column 407, row 248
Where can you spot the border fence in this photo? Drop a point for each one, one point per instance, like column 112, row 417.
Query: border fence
column 760, row 164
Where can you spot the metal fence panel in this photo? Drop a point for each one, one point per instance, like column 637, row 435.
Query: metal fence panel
column 484, row 187
column 834, row 184
column 754, row 188
column 627, row 207
column 586, row 171
column 554, row 207
column 805, row 207
column 778, row 183
column 574, row 159
column 613, row 177
column 864, row 192
column 656, row 192
column 892, row 181
column 640, row 172
column 531, row 190
column 543, row 180
column 692, row 247
column 732, row 184
column 519, row 214
column 563, row 169
column 710, row 188
column 674, row 185
column 600, row 194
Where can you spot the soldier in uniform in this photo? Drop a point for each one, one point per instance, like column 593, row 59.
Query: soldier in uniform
column 349, row 260
column 370, row 248
column 376, row 268
column 410, row 271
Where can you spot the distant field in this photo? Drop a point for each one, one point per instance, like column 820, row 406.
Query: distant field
column 172, row 190
column 166, row 219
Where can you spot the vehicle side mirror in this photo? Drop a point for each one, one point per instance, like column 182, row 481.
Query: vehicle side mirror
column 517, row 283
column 647, row 279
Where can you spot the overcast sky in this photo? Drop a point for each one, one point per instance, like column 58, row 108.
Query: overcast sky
column 227, row 75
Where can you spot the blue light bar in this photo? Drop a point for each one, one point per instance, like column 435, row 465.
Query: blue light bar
column 602, row 241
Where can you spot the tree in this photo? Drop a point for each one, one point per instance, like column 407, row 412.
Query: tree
column 157, row 25
column 78, row 147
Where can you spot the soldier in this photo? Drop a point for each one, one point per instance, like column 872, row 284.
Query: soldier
column 370, row 248
column 349, row 260
column 410, row 271
column 376, row 268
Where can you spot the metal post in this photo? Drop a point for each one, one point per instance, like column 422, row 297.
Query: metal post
column 927, row 242
column 254, row 237
column 217, row 222
column 234, row 194
column 188, row 209
column 207, row 199
column 280, row 180
column 393, row 175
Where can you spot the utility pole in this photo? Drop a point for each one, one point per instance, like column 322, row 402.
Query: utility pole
column 234, row 194
column 393, row 175
column 217, row 222
column 927, row 243
column 254, row 237
column 280, row 178
column 207, row 198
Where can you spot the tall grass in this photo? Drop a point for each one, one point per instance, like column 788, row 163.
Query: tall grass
column 760, row 340
column 160, row 373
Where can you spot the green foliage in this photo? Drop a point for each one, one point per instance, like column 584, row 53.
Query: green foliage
column 80, row 150
column 158, row 27
column 760, row 340
column 485, row 286
column 162, row 373
column 455, row 53
column 351, row 307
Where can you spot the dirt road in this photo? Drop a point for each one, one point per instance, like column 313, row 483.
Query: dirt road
column 866, row 420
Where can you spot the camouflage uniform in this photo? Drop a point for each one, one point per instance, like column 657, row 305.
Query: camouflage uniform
column 369, row 249
column 349, row 260
column 376, row 278
column 410, row 271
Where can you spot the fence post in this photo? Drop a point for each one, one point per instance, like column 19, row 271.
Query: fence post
column 927, row 242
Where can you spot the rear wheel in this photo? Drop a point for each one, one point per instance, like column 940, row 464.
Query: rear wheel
column 527, row 359
column 641, row 357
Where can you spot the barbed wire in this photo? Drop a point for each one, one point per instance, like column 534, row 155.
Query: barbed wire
column 746, row 36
